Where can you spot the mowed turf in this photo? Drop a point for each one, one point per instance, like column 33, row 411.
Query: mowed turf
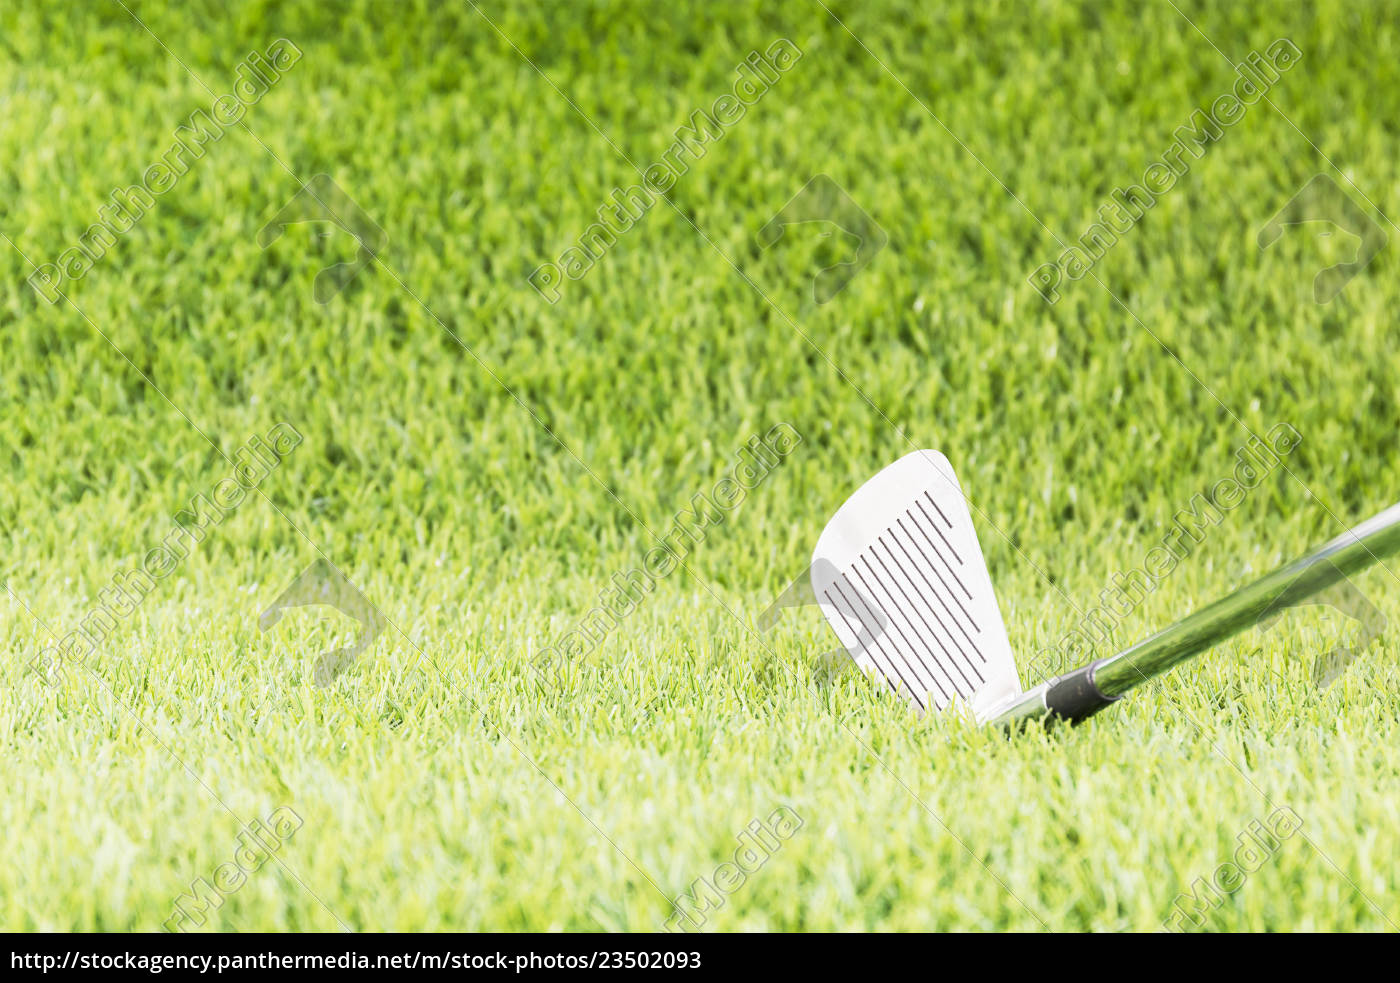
column 481, row 463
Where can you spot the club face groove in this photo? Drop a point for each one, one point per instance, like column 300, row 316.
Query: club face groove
column 899, row 575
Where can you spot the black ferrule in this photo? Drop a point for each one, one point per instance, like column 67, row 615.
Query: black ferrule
column 1074, row 696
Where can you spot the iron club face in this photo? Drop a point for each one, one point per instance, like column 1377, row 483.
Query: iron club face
column 899, row 574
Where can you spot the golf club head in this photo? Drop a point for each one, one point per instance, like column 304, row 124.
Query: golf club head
column 899, row 574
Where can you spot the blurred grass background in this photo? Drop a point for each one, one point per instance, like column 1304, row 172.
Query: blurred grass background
column 451, row 790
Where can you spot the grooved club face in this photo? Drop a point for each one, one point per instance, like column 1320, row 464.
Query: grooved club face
column 899, row 574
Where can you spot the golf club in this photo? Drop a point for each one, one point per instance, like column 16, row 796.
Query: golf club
column 902, row 555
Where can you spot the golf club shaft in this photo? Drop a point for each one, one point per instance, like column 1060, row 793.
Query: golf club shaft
column 1084, row 691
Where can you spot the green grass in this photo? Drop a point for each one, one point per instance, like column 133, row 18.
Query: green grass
column 441, row 784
